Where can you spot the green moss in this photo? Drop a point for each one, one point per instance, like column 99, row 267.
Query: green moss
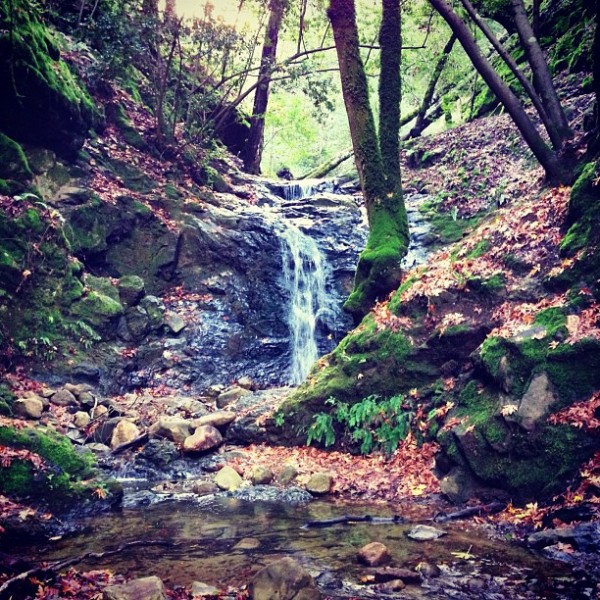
column 479, row 250
column 64, row 466
column 97, row 309
column 45, row 103
column 13, row 162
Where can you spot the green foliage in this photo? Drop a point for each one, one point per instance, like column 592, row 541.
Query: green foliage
column 373, row 424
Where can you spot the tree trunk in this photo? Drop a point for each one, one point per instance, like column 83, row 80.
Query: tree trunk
column 428, row 97
column 378, row 271
column 544, row 155
column 542, row 80
column 553, row 132
column 254, row 145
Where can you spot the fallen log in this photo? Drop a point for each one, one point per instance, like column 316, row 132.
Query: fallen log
column 471, row 511
column 347, row 519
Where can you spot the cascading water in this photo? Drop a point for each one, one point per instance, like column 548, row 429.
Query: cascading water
column 304, row 277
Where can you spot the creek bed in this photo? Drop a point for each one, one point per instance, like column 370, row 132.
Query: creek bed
column 207, row 533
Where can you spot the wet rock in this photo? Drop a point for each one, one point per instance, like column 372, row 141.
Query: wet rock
column 203, row 488
column 81, row 419
column 154, row 309
column 103, row 433
column 86, row 370
column 228, row 479
column 320, row 483
column 175, row 429
column 28, row 408
column 270, row 493
column 77, row 389
column 203, row 589
column 536, row 401
column 214, row 390
column 131, row 289
column 395, row 585
column 261, row 475
column 145, row 588
column 374, row 554
column 428, row 570
column 284, row 579
column 206, row 437
column 457, row 485
column 247, row 544
column 159, row 452
column 246, row 383
column 97, row 448
column 124, row 432
column 64, row 398
column 287, row 475
column 425, row 533
column 230, row 395
column 174, row 322
column 219, row 419
column 136, row 324
column 385, row 574
column 584, row 537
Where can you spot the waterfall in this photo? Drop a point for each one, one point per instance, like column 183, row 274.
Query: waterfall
column 304, row 277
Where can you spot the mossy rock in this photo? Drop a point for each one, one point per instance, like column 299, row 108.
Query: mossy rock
column 100, row 311
column 583, row 234
column 42, row 103
column 58, row 481
column 525, row 463
column 366, row 362
column 13, row 162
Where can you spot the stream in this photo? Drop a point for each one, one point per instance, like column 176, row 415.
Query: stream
column 223, row 541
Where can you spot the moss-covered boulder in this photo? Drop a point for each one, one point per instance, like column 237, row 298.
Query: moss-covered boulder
column 13, row 162
column 44, row 467
column 41, row 102
column 492, row 443
column 581, row 242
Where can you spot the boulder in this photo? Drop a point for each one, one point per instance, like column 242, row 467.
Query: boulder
column 230, row 395
column 131, row 289
column 247, row 544
column 536, row 402
column 174, row 322
column 125, row 431
column 28, row 408
column 261, row 475
column 374, row 554
column 175, row 429
column 219, row 419
column 284, row 579
column 77, row 389
column 145, row 588
column 206, row 437
column 320, row 483
column 425, row 533
column 103, row 433
column 228, row 479
column 203, row 589
column 246, row 383
column 81, row 419
column 287, row 474
column 64, row 398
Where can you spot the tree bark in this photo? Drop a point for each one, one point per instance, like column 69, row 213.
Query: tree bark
column 378, row 271
column 546, row 157
column 254, row 145
column 553, row 132
column 428, row 97
column 542, row 80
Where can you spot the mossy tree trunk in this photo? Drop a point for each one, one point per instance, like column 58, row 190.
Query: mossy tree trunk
column 254, row 145
column 377, row 162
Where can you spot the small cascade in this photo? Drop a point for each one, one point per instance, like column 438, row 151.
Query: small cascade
column 303, row 188
column 304, row 277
